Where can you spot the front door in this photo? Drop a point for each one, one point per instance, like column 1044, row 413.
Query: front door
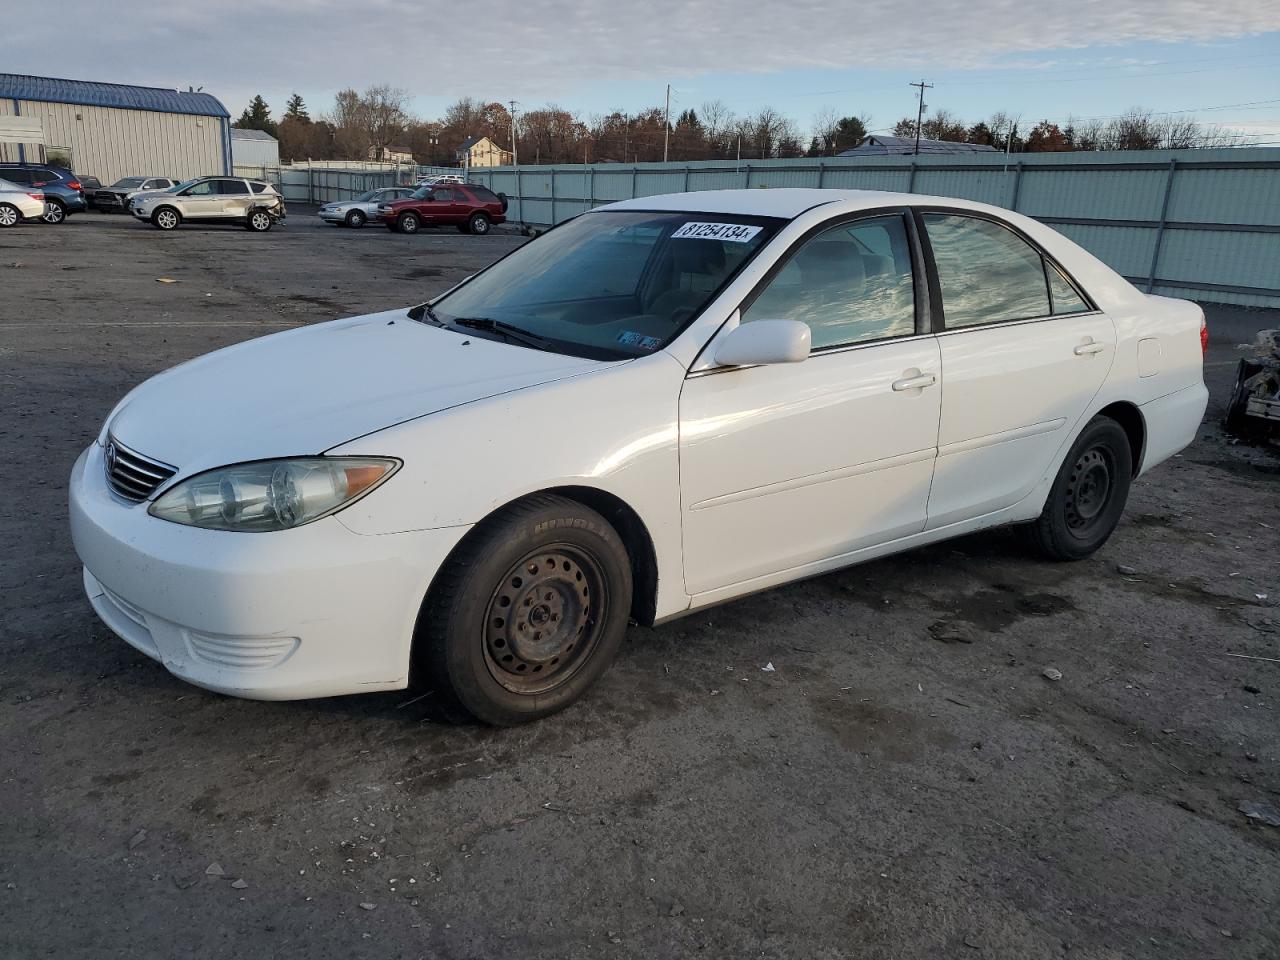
column 787, row 465
column 202, row 201
column 1023, row 354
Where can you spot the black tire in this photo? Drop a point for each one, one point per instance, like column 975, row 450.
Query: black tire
column 478, row 224
column 258, row 221
column 500, row 669
column 10, row 216
column 165, row 218
column 55, row 212
column 1237, row 418
column 408, row 223
column 1088, row 495
column 356, row 219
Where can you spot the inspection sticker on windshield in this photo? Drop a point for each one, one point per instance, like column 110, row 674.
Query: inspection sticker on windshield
column 729, row 232
column 630, row 338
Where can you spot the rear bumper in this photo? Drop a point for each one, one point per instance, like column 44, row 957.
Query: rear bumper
column 312, row 612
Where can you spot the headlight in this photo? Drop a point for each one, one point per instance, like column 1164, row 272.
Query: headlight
column 272, row 494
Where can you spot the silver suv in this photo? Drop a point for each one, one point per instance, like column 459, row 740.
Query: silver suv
column 253, row 204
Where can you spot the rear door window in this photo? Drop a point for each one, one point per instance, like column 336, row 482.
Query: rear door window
column 232, row 188
column 987, row 273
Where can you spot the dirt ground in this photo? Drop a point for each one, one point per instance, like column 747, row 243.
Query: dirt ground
column 881, row 794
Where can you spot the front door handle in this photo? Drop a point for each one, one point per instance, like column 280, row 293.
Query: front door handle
column 1085, row 349
column 915, row 382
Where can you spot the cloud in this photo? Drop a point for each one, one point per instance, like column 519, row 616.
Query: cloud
column 538, row 49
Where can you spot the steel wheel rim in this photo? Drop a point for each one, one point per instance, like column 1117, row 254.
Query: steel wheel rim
column 167, row 219
column 1089, row 489
column 480, row 225
column 8, row 216
column 410, row 224
column 261, row 221
column 53, row 214
column 545, row 619
column 355, row 218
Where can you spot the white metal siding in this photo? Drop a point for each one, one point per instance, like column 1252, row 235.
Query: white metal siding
column 254, row 152
column 110, row 143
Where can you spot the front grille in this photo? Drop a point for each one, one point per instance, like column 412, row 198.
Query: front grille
column 131, row 475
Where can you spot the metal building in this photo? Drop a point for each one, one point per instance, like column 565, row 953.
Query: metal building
column 254, row 148
column 878, row 145
column 110, row 130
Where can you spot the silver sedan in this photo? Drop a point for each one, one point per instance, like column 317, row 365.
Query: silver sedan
column 359, row 210
column 18, row 203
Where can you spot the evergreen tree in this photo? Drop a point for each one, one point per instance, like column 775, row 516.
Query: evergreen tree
column 257, row 116
column 295, row 109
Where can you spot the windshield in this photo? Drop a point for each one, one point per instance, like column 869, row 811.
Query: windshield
column 128, row 182
column 614, row 284
column 365, row 197
column 423, row 192
column 182, row 186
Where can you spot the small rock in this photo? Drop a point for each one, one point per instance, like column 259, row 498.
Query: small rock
column 368, row 906
column 213, row 870
column 676, row 909
column 239, row 883
column 1250, row 688
column 1126, row 570
column 1052, row 673
column 971, row 943
column 137, row 839
column 1251, row 757
column 1261, row 811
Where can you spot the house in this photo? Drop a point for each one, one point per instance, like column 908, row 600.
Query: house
column 880, row 146
column 481, row 152
column 391, row 154
column 113, row 130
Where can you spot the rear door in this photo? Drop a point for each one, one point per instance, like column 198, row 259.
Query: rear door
column 1023, row 353
column 235, row 197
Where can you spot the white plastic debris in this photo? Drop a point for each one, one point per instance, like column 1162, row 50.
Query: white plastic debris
column 768, row 667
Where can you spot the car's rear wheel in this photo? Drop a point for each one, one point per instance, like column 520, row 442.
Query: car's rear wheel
column 54, row 212
column 356, row 219
column 407, row 223
column 9, row 215
column 1088, row 495
column 259, row 221
column 478, row 224
column 528, row 612
column 166, row 218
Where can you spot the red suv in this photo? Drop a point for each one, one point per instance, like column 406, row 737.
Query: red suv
column 469, row 206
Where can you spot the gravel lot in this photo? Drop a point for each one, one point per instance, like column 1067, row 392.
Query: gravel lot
column 881, row 794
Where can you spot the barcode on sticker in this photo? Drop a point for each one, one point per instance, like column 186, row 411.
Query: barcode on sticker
column 729, row 232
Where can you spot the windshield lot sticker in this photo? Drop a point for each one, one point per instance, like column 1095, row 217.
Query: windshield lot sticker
column 729, row 232
column 630, row 338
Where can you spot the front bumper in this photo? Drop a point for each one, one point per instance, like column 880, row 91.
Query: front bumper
column 312, row 612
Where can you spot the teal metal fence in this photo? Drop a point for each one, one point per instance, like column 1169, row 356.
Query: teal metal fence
column 1186, row 223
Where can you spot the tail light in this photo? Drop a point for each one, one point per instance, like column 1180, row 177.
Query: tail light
column 36, row 196
column 74, row 185
column 1204, row 336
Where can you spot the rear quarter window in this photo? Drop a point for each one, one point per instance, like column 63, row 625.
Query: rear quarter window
column 484, row 194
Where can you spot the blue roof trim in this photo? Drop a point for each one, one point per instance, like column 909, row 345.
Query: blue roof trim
column 121, row 96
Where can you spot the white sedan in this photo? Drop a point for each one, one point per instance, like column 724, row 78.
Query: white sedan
column 18, row 203
column 662, row 404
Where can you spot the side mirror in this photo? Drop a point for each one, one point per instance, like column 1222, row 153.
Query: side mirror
column 763, row 342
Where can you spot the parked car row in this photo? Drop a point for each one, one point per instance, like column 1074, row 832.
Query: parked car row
column 51, row 193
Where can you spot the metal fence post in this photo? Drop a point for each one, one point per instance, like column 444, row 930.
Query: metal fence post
column 519, row 197
column 1017, row 185
column 911, row 178
column 686, row 179
column 1164, row 218
column 822, row 170
column 746, row 177
column 553, row 196
column 591, row 188
column 634, row 171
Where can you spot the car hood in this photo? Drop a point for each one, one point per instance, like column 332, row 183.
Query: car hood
column 304, row 391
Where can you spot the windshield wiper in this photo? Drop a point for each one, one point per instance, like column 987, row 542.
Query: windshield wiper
column 423, row 312
column 508, row 331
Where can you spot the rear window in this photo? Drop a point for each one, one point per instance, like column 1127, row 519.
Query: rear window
column 259, row 187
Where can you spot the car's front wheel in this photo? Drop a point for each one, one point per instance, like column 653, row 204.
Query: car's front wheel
column 355, row 219
column 166, row 218
column 528, row 612
column 9, row 215
column 1088, row 495
column 407, row 223
column 54, row 212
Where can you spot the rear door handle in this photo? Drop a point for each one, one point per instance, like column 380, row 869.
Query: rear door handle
column 1087, row 348
column 915, row 383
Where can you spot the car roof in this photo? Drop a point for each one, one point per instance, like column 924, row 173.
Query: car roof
column 785, row 202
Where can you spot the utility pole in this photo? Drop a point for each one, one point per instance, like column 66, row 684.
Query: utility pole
column 920, row 110
column 666, row 125
column 515, row 159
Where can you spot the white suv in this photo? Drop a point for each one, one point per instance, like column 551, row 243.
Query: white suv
column 251, row 203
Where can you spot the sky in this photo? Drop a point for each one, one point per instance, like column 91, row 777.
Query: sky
column 1214, row 60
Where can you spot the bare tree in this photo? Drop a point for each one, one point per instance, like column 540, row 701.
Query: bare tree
column 826, row 123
